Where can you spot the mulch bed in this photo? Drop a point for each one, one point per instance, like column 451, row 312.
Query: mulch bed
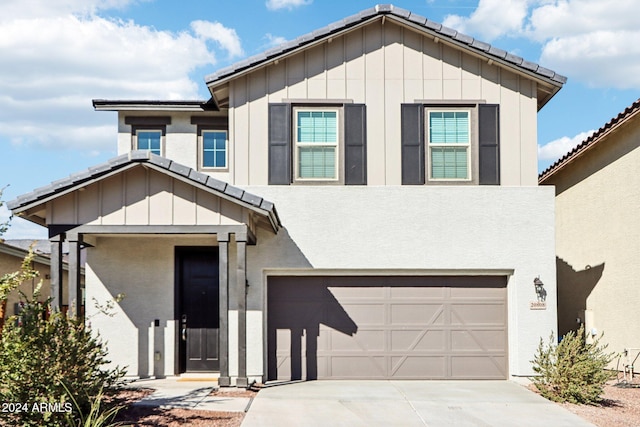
column 150, row 416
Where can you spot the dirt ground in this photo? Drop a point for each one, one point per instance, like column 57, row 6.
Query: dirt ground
column 620, row 407
column 148, row 416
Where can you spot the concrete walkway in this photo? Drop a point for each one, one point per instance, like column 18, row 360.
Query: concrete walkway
column 173, row 393
column 406, row 403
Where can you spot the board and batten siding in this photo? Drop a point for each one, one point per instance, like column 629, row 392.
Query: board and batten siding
column 142, row 196
column 382, row 66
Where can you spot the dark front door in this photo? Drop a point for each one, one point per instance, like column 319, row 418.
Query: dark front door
column 198, row 308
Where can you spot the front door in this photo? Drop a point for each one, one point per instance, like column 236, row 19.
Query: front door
column 198, row 308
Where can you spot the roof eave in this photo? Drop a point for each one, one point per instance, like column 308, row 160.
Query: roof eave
column 153, row 105
column 549, row 79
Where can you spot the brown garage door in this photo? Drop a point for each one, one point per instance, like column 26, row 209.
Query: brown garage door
column 387, row 328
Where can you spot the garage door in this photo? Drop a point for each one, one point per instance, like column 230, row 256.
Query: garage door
column 387, row 328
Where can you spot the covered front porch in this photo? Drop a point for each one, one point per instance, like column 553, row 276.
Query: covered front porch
column 172, row 242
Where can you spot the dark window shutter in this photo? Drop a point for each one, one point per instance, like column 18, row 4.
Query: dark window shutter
column 279, row 144
column 489, row 141
column 355, row 150
column 412, row 141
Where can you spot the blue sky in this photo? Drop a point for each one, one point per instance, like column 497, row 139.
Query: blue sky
column 58, row 55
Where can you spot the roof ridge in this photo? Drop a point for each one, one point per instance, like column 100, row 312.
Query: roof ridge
column 398, row 12
column 591, row 140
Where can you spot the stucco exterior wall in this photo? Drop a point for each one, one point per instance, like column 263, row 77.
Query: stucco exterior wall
column 142, row 268
column 597, row 229
column 346, row 231
column 414, row 230
column 10, row 263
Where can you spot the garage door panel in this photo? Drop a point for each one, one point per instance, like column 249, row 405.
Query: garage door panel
column 410, row 367
column 478, row 340
column 365, row 340
column 346, row 367
column 470, row 367
column 412, row 292
column 358, row 290
column 360, row 314
column 477, row 314
column 412, row 340
column 420, row 314
column 387, row 327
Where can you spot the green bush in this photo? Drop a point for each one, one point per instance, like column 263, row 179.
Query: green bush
column 42, row 355
column 572, row 370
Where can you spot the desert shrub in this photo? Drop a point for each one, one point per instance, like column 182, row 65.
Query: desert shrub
column 42, row 355
column 572, row 370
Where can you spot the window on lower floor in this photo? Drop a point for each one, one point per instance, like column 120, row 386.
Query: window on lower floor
column 149, row 140
column 316, row 144
column 449, row 145
column 214, row 149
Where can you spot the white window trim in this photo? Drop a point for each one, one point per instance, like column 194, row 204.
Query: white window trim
column 201, row 151
column 338, row 144
column 468, row 145
column 159, row 130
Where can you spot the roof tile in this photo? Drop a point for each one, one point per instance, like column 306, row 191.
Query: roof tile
column 515, row 59
column 234, row 192
column 381, row 9
column 252, row 198
column 180, row 169
column 418, row 19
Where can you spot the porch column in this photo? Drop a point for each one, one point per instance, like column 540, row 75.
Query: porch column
column 56, row 271
column 223, row 327
column 75, row 293
column 241, row 248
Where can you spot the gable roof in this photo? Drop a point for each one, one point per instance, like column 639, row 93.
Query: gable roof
column 402, row 16
column 599, row 135
column 81, row 179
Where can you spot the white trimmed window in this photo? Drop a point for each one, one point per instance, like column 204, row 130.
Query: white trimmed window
column 149, row 140
column 449, row 145
column 316, row 144
column 214, row 149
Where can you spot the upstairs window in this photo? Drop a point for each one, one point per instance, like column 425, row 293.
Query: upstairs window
column 214, row 149
column 449, row 138
column 149, row 140
column 148, row 132
column 455, row 143
column 316, row 144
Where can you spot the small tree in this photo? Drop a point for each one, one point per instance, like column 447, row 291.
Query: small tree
column 572, row 370
column 11, row 281
column 47, row 358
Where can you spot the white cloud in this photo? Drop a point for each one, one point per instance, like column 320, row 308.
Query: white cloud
column 20, row 228
column 26, row 9
column 492, row 19
column 58, row 56
column 227, row 38
column 559, row 147
column 592, row 41
column 286, row 4
column 274, row 40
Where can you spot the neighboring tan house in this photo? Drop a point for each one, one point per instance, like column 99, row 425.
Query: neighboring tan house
column 597, row 188
column 360, row 202
column 12, row 253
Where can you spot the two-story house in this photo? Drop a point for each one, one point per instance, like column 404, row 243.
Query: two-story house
column 360, row 202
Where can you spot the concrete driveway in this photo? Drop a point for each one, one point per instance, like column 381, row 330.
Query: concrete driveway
column 405, row 403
